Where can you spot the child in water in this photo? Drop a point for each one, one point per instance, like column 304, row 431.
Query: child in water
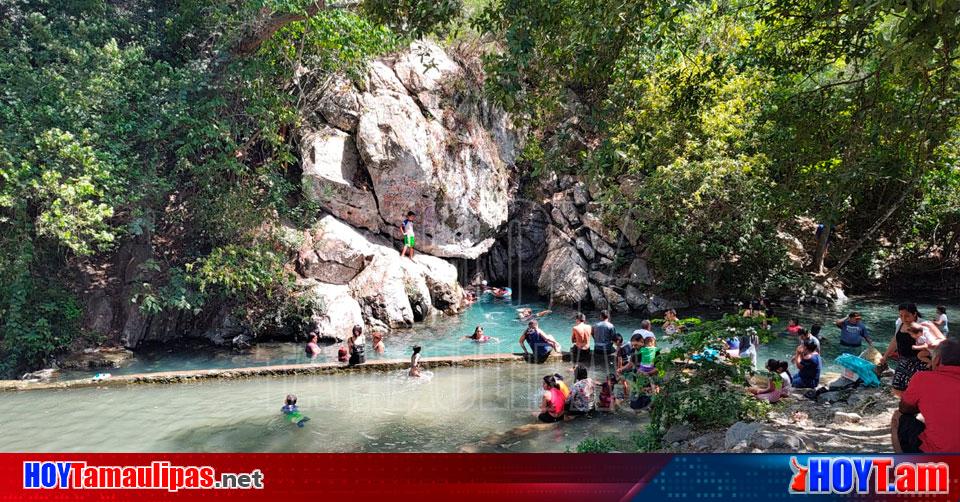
column 607, row 400
column 415, row 362
column 793, row 327
column 562, row 385
column 291, row 412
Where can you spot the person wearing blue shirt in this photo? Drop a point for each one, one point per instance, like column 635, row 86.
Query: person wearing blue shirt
column 852, row 330
column 809, row 365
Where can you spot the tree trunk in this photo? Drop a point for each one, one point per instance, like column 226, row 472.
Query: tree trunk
column 821, row 252
column 866, row 235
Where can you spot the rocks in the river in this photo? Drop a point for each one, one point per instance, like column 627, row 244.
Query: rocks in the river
column 597, row 297
column 96, row 358
column 336, row 311
column 614, row 300
column 635, row 299
column 656, row 304
column 429, row 150
column 563, row 276
column 335, row 252
column 43, row 375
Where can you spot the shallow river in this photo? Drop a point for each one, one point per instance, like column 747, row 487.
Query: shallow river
column 443, row 336
column 487, row 408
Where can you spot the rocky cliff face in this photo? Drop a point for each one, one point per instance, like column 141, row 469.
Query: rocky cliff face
column 416, row 135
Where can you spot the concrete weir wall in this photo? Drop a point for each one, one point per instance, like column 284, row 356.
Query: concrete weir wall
column 169, row 377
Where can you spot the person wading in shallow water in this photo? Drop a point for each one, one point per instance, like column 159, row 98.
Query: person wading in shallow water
column 580, row 338
column 602, row 333
column 355, row 343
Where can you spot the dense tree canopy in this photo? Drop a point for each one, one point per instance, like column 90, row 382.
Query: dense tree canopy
column 712, row 124
column 730, row 118
column 166, row 121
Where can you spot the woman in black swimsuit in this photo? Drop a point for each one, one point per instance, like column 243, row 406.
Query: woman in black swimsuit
column 901, row 348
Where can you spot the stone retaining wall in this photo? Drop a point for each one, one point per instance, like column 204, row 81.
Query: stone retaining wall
column 169, row 377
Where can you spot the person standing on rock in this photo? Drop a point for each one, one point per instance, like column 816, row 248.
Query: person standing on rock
column 602, row 333
column 409, row 241
column 355, row 343
column 580, row 350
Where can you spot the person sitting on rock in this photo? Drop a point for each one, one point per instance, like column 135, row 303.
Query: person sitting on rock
column 541, row 344
column 809, row 365
column 779, row 385
column 932, row 394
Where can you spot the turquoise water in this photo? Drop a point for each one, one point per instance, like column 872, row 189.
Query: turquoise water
column 477, row 409
column 443, row 336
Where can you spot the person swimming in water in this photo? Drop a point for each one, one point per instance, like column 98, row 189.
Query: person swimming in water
column 291, row 412
column 502, row 292
column 415, row 362
column 378, row 346
column 479, row 337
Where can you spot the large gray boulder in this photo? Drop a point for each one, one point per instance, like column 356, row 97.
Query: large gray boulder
column 333, row 177
column 563, row 276
column 450, row 164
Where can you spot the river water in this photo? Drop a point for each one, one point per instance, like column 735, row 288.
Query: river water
column 443, row 336
column 487, row 408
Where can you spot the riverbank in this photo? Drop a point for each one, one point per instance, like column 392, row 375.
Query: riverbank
column 852, row 421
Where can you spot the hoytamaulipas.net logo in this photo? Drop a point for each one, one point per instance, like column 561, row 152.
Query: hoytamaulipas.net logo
column 877, row 475
column 66, row 475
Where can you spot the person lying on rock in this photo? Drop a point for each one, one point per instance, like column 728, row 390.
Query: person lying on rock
column 932, row 394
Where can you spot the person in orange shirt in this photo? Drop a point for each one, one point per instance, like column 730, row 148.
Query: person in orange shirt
column 580, row 350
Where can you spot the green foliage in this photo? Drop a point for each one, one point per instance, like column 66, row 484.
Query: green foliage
column 712, row 125
column 597, row 445
column 415, row 17
column 703, row 392
column 136, row 119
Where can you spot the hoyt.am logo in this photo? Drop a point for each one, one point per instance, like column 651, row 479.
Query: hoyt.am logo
column 878, row 475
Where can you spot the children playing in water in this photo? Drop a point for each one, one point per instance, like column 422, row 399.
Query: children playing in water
column 607, row 400
column 291, row 412
column 526, row 313
column 415, row 362
column 793, row 327
column 409, row 241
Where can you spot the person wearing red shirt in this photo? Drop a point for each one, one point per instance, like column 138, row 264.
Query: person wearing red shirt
column 932, row 394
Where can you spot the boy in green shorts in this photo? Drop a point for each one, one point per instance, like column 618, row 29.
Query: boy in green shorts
column 409, row 241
